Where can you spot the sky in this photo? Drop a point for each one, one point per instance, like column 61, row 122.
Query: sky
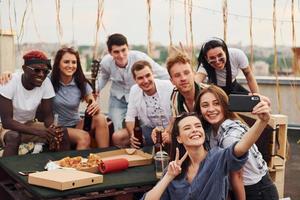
column 129, row 17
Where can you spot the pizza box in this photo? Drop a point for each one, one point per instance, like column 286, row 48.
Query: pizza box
column 135, row 157
column 64, row 179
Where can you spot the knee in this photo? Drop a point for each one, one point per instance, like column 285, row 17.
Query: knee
column 100, row 120
column 12, row 137
column 121, row 138
column 84, row 140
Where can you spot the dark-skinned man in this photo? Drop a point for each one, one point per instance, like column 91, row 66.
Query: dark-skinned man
column 19, row 100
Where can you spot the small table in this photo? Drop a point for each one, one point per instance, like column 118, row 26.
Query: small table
column 134, row 179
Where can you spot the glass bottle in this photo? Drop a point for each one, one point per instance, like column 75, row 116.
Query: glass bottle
column 158, row 144
column 87, row 123
column 137, row 131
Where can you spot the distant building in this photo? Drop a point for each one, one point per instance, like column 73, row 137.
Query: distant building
column 7, row 51
column 296, row 60
column 261, row 68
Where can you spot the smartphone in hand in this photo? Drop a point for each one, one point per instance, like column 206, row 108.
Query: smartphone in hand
column 242, row 103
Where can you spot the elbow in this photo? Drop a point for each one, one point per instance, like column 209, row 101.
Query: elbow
column 6, row 124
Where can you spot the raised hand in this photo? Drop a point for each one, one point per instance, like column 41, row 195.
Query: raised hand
column 263, row 109
column 174, row 167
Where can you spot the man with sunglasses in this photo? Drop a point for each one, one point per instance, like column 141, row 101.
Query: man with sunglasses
column 116, row 66
column 222, row 65
column 19, row 100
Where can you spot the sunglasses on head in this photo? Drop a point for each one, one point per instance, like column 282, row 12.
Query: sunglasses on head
column 220, row 58
column 38, row 70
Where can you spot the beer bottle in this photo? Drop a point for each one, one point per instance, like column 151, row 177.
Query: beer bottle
column 87, row 123
column 137, row 131
column 158, row 144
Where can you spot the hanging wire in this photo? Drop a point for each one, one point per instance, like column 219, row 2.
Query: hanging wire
column 58, row 24
column 275, row 58
column 34, row 22
column 98, row 25
column 251, row 36
column 259, row 19
column 149, row 46
column 225, row 17
column 171, row 19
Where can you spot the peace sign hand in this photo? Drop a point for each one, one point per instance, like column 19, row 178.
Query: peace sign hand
column 174, row 168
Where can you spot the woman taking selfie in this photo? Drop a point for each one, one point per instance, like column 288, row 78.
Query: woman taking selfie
column 225, row 129
column 199, row 173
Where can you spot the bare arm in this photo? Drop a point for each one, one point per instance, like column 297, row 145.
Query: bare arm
column 236, row 180
column 134, row 142
column 200, row 77
column 251, row 81
column 262, row 110
column 174, row 169
column 6, row 113
column 46, row 107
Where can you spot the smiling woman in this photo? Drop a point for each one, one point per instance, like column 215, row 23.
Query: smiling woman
column 197, row 172
column 71, row 87
column 221, row 65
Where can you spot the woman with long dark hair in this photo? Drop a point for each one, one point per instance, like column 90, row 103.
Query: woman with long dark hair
column 199, row 173
column 252, row 182
column 71, row 87
column 221, row 66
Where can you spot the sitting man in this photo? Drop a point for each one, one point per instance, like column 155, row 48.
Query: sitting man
column 149, row 100
column 19, row 100
column 116, row 66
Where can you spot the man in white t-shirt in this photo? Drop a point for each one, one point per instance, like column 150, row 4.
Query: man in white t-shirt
column 149, row 100
column 116, row 66
column 19, row 100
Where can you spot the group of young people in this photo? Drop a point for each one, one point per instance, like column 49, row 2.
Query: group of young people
column 209, row 145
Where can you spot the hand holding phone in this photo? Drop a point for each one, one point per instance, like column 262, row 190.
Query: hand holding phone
column 242, row 103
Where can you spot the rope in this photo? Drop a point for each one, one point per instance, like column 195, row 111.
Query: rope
column 171, row 19
column 185, row 23
column 251, row 36
column 275, row 58
column 98, row 25
column 225, row 17
column 58, row 24
column 73, row 25
column 9, row 17
column 149, row 46
column 190, row 2
column 34, row 22
column 21, row 33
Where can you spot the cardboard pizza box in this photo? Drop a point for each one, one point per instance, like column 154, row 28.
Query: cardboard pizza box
column 135, row 157
column 64, row 179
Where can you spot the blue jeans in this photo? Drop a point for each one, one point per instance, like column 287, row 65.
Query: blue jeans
column 117, row 111
column 147, row 135
column 263, row 190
